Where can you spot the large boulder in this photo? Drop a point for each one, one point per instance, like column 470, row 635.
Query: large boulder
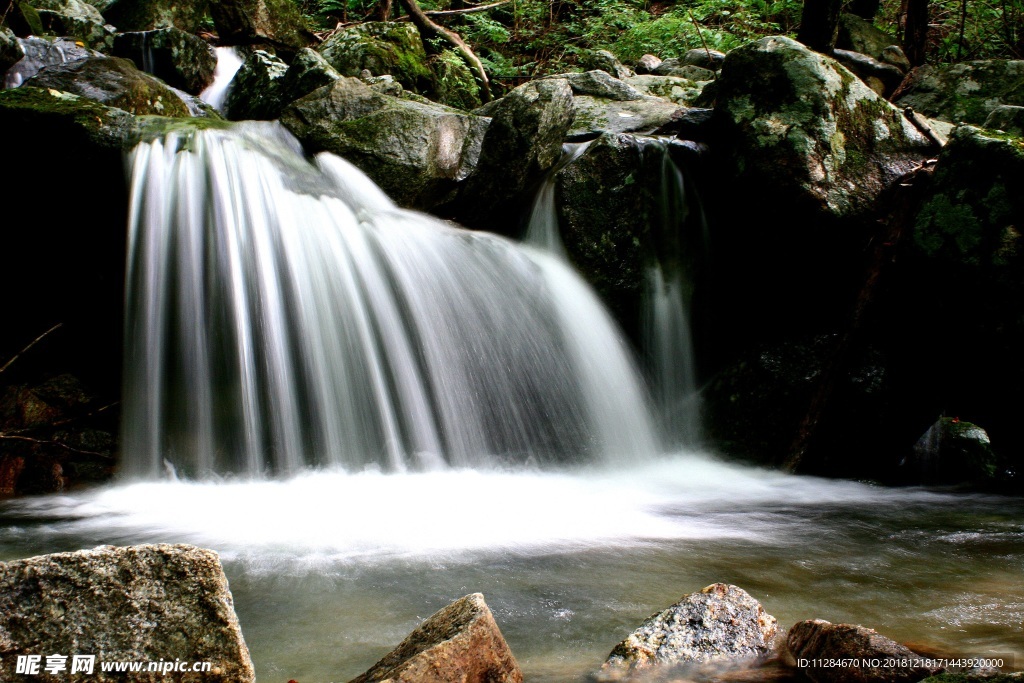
column 275, row 24
column 458, row 644
column 308, row 71
column 392, row 48
column 808, row 132
column 114, row 82
column 855, row 646
column 953, row 451
column 963, row 93
column 180, row 59
column 75, row 19
column 596, row 115
column 146, row 15
column 720, row 622
column 156, row 603
column 255, row 91
column 417, row 151
column 42, row 52
column 604, row 60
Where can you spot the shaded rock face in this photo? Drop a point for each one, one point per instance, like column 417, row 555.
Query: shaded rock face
column 459, row 644
column 381, row 48
column 114, row 82
column 74, row 19
column 308, row 71
column 10, row 49
column 180, row 59
column 274, row 23
column 817, row 639
column 719, row 622
column 255, row 91
column 146, row 15
column 22, row 19
column 880, row 77
column 416, row 151
column 148, row 603
column 860, row 35
column 1007, row 118
column 799, row 123
column 953, row 451
column 965, row 92
column 705, row 59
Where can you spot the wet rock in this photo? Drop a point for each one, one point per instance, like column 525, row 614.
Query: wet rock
column 255, row 91
column 10, row 50
column 114, row 82
column 459, row 644
column 1007, row 118
column 142, row 603
column 705, row 59
column 880, row 77
column 75, row 19
column 603, row 60
column 817, row 639
column 596, row 115
column 953, row 451
column 682, row 91
column 416, row 151
column 180, row 59
column 454, row 83
column 719, row 622
column 393, row 48
column 147, row 15
column 43, row 52
column 804, row 129
column 963, row 93
column 274, row 24
column 647, row 64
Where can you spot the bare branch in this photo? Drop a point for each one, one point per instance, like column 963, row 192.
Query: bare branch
column 24, row 350
column 58, row 444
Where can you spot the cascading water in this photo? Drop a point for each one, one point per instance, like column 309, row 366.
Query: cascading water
column 281, row 314
column 228, row 63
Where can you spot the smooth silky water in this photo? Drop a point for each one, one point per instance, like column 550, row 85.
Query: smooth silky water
column 381, row 413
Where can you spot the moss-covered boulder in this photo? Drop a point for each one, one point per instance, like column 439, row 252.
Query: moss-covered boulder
column 10, row 49
column 307, row 72
column 681, row 91
column 801, row 126
column 274, row 24
column 454, row 83
column 147, row 15
column 255, row 91
column 381, row 48
column 1007, row 118
column 607, row 62
column 963, row 93
column 860, row 35
column 75, row 19
column 417, row 151
column 180, row 59
column 114, row 82
column 22, row 19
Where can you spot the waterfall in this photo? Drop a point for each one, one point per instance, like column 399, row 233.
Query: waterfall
column 228, row 62
column 283, row 314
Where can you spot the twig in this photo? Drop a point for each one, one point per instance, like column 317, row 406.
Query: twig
column 454, row 12
column 59, row 444
column 24, row 350
column 702, row 41
column 29, row 430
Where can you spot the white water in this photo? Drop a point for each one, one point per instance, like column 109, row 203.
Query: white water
column 228, row 62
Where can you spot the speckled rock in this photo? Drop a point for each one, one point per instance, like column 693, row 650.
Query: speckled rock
column 255, row 91
column 719, row 622
column 43, row 52
column 607, row 62
column 393, row 48
column 180, row 59
column 458, row 644
column 596, row 115
column 307, row 72
column 678, row 90
column 963, row 93
column 141, row 603
column 808, row 132
column 817, row 639
column 75, row 19
column 599, row 83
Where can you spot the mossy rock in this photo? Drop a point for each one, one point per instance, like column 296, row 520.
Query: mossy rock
column 454, row 83
column 75, row 19
column 966, row 92
column 114, row 82
column 1008, row 119
column 23, row 19
column 276, row 24
column 10, row 49
column 255, row 91
column 81, row 120
column 381, row 48
column 147, row 15
column 681, row 91
column 180, row 59
column 308, row 71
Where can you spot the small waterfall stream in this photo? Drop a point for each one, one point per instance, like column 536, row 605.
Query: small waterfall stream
column 229, row 60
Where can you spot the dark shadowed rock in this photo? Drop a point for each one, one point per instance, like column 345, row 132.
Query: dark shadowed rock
column 860, row 35
column 43, row 52
column 142, row 603
column 817, row 639
column 146, row 15
column 881, row 77
column 180, row 59
column 75, row 19
column 307, row 72
column 10, row 49
column 963, row 93
column 114, row 82
column 705, row 59
column 459, row 644
column 719, row 622
column 276, row 24
column 1007, row 118
column 953, row 451
column 22, row 19
column 255, row 91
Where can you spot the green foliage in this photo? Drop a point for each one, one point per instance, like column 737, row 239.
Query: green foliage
column 989, row 29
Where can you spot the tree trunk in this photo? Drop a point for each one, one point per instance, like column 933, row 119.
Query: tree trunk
column 819, row 24
column 915, row 31
column 865, row 9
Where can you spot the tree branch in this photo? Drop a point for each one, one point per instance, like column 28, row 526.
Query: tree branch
column 24, row 350
column 58, row 444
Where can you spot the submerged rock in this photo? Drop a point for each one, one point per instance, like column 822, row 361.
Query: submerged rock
column 963, row 93
column 719, row 622
column 416, row 151
column 816, row 640
column 458, row 644
column 255, row 91
column 380, row 47
column 114, row 82
column 180, row 59
column 158, row 603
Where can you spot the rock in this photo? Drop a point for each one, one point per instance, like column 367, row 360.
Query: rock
column 601, row 84
column 255, row 91
column 22, row 19
column 817, row 639
column 274, row 24
column 893, row 54
column 705, row 59
column 963, row 93
column 647, row 64
column 417, row 152
column 454, row 83
column 880, row 77
column 953, row 451
column 719, row 622
column 143, row 603
column 596, row 115
column 180, row 59
column 458, row 644
column 860, row 35
column 603, row 60
column 393, row 48
column 806, row 131
column 691, row 123
column 43, row 52
column 11, row 51
column 682, row 91
column 1007, row 118
column 75, row 19
column 307, row 72
column 114, row 82
column 523, row 140
column 676, row 67
column 147, row 15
